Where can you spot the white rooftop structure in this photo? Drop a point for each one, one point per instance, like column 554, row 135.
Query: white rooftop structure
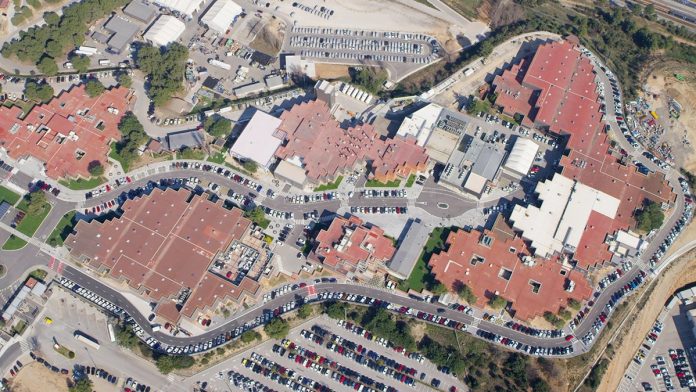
column 564, row 212
column 186, row 7
column 165, row 30
column 221, row 14
column 522, row 156
column 420, row 123
column 258, row 140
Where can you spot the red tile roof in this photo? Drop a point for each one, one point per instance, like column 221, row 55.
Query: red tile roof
column 73, row 121
column 504, row 256
column 326, row 150
column 164, row 243
column 347, row 243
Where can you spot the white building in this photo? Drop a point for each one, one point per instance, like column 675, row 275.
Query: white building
column 563, row 215
column 220, row 15
column 420, row 123
column 259, row 140
column 165, row 30
column 521, row 157
column 186, row 7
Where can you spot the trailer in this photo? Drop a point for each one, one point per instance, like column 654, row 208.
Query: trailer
column 220, row 64
column 86, row 339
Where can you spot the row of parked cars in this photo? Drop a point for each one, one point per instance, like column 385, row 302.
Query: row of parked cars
column 313, row 198
column 221, row 171
column 246, row 384
column 379, row 210
column 531, row 350
column 543, row 333
column 679, row 225
column 356, row 329
column 375, row 193
column 260, row 365
column 98, row 372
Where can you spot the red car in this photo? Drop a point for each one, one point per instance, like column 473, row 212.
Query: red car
column 569, row 338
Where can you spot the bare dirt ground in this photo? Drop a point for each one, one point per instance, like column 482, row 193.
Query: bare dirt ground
column 681, row 272
column 331, row 71
column 661, row 85
column 34, row 377
column 269, row 39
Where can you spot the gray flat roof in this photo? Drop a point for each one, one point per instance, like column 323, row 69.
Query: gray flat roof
column 488, row 162
column 409, row 250
column 248, row 89
column 123, row 30
column 139, row 10
column 179, row 140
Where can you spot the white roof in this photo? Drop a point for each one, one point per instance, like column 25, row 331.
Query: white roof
column 628, row 238
column 187, row 7
column 258, row 140
column 420, row 123
column 165, row 30
column 563, row 215
column 475, row 183
column 221, row 14
column 522, row 156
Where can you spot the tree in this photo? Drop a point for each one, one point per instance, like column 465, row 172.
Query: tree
column 82, row 385
column 277, row 328
column 438, row 288
column 218, row 127
column 125, row 337
column 539, row 385
column 573, row 303
column 650, row 216
column 95, row 169
column 124, row 80
column 250, row 166
column 649, row 12
column 497, row 302
column 304, row 311
column 38, row 92
column 132, row 137
column 80, row 62
column 258, row 216
column 164, row 68
column 464, row 292
column 335, row 310
column 47, row 66
column 36, row 202
column 249, row 336
column 94, row 88
column 167, row 363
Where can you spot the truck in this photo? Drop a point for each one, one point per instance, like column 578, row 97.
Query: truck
column 220, row 64
column 468, row 71
column 86, row 339
column 86, row 50
column 104, row 62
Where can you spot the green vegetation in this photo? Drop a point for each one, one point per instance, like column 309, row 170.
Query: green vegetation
column 553, row 319
column 94, row 88
column 38, row 274
column 441, row 355
column 164, row 68
column 329, row 186
column 191, row 153
column 39, row 92
column 80, row 184
column 132, row 137
column 80, row 62
column 258, row 216
column 64, row 351
column 219, row 127
column 218, row 157
column 377, row 184
column 36, row 208
column 124, row 80
column 426, row 3
column 420, row 277
column 125, row 337
column 464, row 292
column 3, row 270
column 95, row 169
column 335, row 310
column 475, row 105
column 82, row 385
column 167, row 363
column 19, row 327
column 63, row 229
column 497, row 302
column 249, row 336
column 304, row 311
column 650, row 216
column 595, row 377
column 8, row 196
column 574, row 304
column 277, row 328
column 250, row 166
column 381, row 323
column 410, row 181
column 468, row 8
column 60, row 33
column 370, row 79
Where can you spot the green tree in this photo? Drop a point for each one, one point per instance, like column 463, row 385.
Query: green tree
column 124, row 80
column 258, row 216
column 649, row 12
column 82, row 385
column 573, row 303
column 94, row 88
column 249, row 336
column 132, row 137
column 539, row 385
column 47, row 66
column 167, row 363
column 38, row 92
column 36, row 202
column 95, row 168
column 277, row 328
column 80, row 62
column 464, row 292
column 335, row 310
column 218, row 127
column 125, row 337
column 164, row 68
column 304, row 311
column 250, row 166
column 650, row 216
column 497, row 302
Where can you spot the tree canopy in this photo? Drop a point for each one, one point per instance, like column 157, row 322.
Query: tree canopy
column 82, row 385
column 132, row 137
column 95, row 168
column 94, row 88
column 650, row 216
column 219, row 127
column 80, row 62
column 164, row 68
column 42, row 92
column 277, row 328
column 167, row 363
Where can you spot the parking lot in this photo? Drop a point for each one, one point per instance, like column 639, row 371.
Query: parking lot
column 667, row 355
column 306, row 355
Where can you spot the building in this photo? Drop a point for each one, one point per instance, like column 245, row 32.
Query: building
column 496, row 262
column 566, row 208
column 67, row 133
column 248, row 89
column 353, row 249
column 345, row 101
column 165, row 30
column 298, row 65
column 138, row 10
column 315, row 142
column 420, row 123
column 184, row 7
column 122, row 33
column 274, row 82
column 164, row 246
column 259, row 140
column 409, row 250
column 191, row 139
column 521, row 158
column 220, row 15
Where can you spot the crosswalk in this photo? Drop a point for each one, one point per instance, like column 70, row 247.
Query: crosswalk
column 24, row 346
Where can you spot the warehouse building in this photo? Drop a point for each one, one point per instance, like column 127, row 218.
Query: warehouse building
column 165, row 30
column 220, row 15
column 185, row 7
column 521, row 158
column 122, row 31
column 138, row 10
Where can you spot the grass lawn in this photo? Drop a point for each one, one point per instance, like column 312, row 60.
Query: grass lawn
column 377, row 184
column 330, row 186
column 410, row 181
column 64, row 227
column 64, row 351
column 8, row 195
column 420, row 274
column 27, row 226
column 115, row 156
column 81, row 184
column 20, row 327
column 38, row 274
column 191, row 153
column 218, row 158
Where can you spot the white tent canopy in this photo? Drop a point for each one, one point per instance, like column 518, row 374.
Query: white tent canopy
column 221, row 14
column 522, row 156
column 186, row 7
column 165, row 30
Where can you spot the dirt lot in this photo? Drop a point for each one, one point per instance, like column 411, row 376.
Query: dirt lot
column 331, row 71
column 269, row 39
column 34, row 377
column 662, row 85
column 681, row 272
